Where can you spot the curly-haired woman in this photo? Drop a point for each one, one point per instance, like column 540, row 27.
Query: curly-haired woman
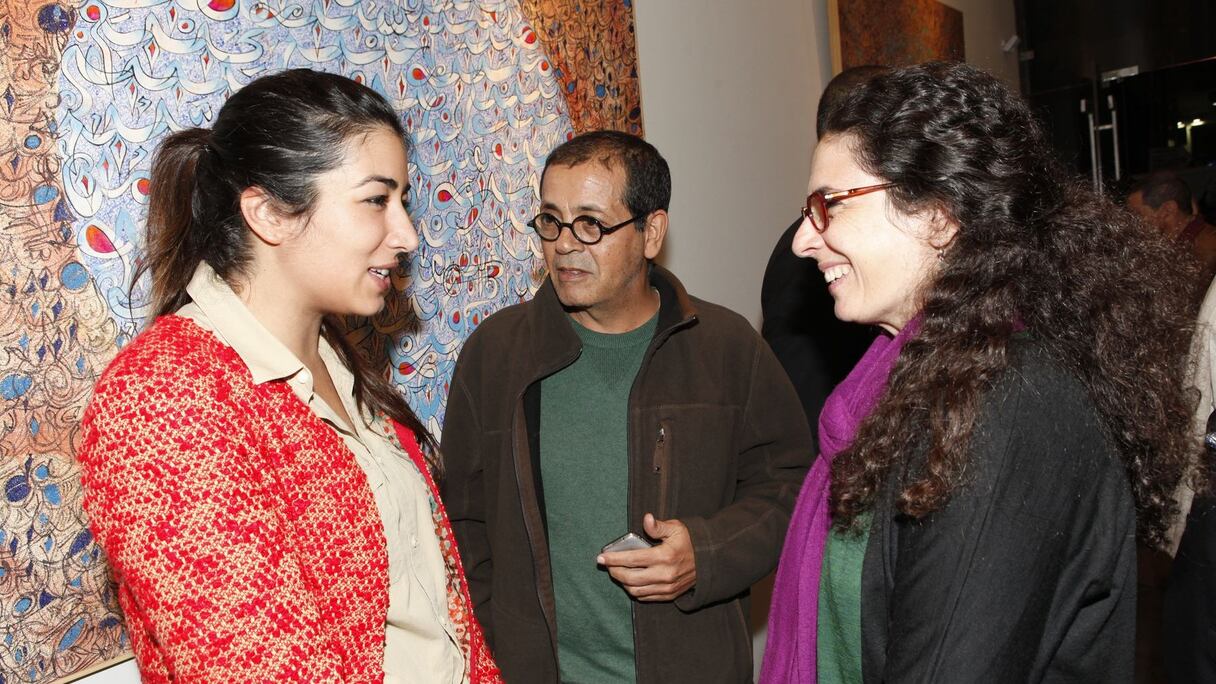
column 987, row 467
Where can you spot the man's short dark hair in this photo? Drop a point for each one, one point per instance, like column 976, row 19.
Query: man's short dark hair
column 840, row 85
column 647, row 177
column 1166, row 186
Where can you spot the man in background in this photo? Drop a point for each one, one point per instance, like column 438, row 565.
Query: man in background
column 816, row 349
column 1165, row 202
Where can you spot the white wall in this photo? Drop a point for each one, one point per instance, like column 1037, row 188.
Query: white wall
column 986, row 23
column 124, row 672
column 729, row 91
column 728, row 96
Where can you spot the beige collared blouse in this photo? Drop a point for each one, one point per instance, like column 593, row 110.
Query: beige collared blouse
column 420, row 641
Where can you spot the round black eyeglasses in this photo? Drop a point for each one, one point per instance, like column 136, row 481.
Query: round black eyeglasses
column 585, row 229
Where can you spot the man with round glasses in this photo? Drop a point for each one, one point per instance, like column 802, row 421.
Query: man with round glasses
column 614, row 403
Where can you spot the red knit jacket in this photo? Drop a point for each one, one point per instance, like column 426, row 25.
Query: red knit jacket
column 243, row 534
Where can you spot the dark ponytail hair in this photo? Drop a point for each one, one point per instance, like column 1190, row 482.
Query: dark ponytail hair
column 278, row 133
column 178, row 237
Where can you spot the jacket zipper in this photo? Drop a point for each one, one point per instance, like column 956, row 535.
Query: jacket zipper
column 659, row 338
column 516, row 417
column 662, row 468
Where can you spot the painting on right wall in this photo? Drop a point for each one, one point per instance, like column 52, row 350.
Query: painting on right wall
column 893, row 32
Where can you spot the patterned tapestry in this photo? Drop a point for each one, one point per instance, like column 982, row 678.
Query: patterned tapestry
column 893, row 32
column 87, row 88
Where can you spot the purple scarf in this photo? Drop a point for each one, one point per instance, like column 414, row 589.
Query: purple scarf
column 791, row 649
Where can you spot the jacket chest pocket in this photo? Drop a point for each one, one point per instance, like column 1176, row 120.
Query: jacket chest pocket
column 688, row 460
column 661, row 468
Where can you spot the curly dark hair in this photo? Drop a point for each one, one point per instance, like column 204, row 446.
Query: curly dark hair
column 1035, row 249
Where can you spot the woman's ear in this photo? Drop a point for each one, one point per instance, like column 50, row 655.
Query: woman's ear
column 944, row 229
column 263, row 216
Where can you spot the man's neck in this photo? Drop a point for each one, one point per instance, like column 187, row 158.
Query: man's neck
column 615, row 322
column 1182, row 225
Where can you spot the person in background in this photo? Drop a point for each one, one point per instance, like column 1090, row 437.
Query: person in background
column 1187, row 616
column 1165, row 202
column 266, row 500
column 989, row 464
column 815, row 348
column 615, row 402
column 1189, row 604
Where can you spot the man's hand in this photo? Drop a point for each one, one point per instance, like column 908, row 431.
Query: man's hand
column 660, row 573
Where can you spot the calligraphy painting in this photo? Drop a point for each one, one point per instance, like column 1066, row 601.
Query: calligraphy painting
column 88, row 87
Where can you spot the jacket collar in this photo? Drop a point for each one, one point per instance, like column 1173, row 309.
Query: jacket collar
column 556, row 345
column 676, row 308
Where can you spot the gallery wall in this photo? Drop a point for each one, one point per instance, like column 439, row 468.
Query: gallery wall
column 987, row 24
column 729, row 91
column 89, row 87
column 728, row 94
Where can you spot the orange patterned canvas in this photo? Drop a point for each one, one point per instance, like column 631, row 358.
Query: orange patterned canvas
column 895, row 32
column 58, row 611
column 595, row 56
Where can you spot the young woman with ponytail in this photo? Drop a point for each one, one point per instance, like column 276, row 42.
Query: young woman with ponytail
column 266, row 501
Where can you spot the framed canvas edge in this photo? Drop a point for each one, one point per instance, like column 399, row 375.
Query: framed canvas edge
column 834, row 36
column 637, row 65
column 93, row 669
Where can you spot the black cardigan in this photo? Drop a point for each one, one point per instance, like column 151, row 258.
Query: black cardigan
column 1028, row 574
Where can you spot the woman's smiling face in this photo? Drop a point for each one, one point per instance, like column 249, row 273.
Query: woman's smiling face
column 341, row 255
column 875, row 258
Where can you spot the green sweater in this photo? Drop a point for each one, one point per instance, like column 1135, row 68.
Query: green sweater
column 839, row 642
column 585, row 474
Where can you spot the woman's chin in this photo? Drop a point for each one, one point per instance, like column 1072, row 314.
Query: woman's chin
column 843, row 313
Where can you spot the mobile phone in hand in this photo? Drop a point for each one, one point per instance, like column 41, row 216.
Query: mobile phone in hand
column 626, row 542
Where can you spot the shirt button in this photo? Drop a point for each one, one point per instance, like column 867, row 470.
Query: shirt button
column 413, row 541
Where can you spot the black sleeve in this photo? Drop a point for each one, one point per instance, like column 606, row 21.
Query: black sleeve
column 1190, row 593
column 463, row 493
column 1028, row 573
